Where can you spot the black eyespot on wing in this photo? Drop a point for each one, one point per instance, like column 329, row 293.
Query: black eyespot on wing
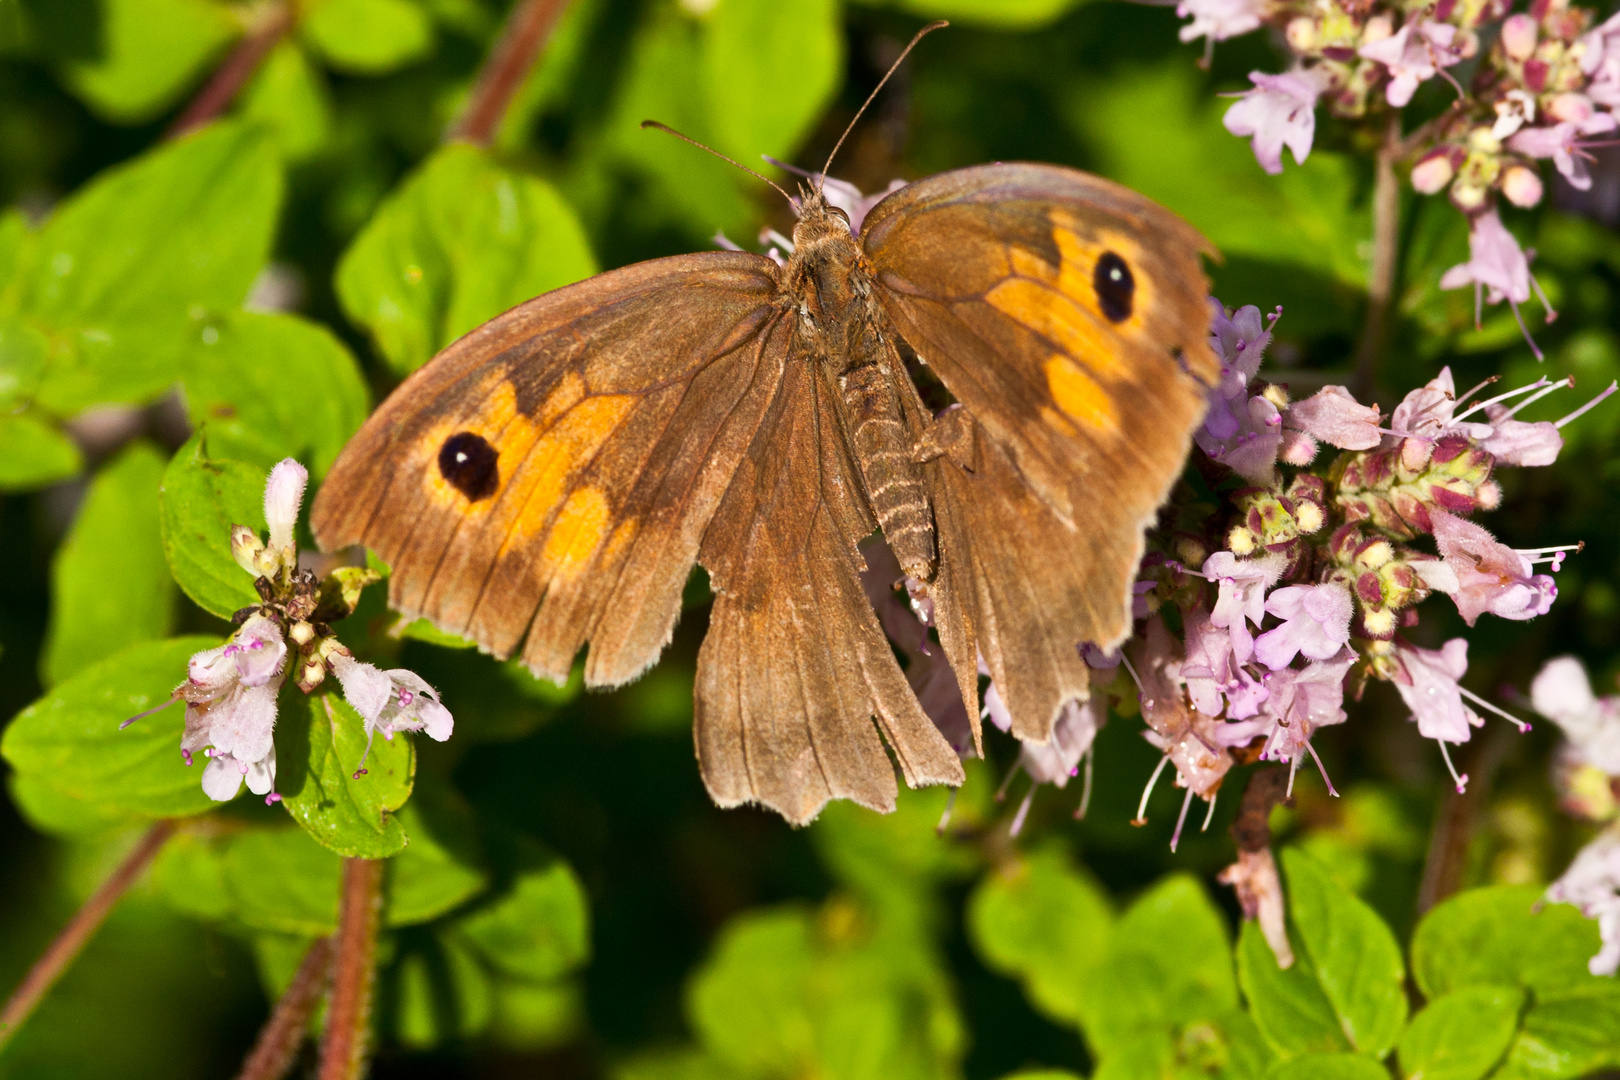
column 1116, row 288
column 469, row 463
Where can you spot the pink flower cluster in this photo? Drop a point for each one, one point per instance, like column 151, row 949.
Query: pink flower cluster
column 1304, row 586
column 1547, row 88
column 231, row 690
column 1586, row 775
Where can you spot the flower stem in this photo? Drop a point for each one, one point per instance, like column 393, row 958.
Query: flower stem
column 519, row 46
column 216, row 96
column 272, row 1055
column 348, row 1019
column 61, row 953
column 1446, row 863
column 1385, row 263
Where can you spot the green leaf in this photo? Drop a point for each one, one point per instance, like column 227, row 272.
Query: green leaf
column 1147, row 1057
column 666, row 80
column 1356, row 957
column 1329, row 1067
column 110, row 586
column 530, row 1017
column 22, row 354
column 282, row 881
column 1042, row 1074
column 1568, row 1032
column 443, row 992
column 57, row 812
column 33, row 454
column 461, row 241
column 750, row 1000
column 1462, row 1035
column 1169, row 964
column 439, row 870
column 675, row 1065
column 367, row 37
column 121, row 272
column 318, row 751
column 150, row 52
column 289, row 97
column 771, row 67
column 1011, row 14
column 271, row 387
column 1289, row 1006
column 189, row 873
column 70, row 738
column 1042, row 922
column 202, row 498
column 538, row 930
column 1497, row 936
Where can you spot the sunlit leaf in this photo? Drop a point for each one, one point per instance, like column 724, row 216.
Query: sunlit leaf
column 1462, row 1035
column 202, row 497
column 319, row 747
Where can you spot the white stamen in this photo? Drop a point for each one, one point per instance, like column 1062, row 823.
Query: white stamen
column 1462, row 781
column 1175, row 837
column 1141, row 810
column 1522, row 725
column 1590, row 404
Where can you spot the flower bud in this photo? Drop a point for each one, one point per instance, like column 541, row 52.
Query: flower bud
column 1519, row 36
column 1377, row 29
column 283, row 494
column 246, row 547
column 1522, row 186
column 1467, row 197
column 1574, row 108
column 1433, row 172
column 1302, row 34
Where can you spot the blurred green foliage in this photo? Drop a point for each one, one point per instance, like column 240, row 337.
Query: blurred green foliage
column 178, row 314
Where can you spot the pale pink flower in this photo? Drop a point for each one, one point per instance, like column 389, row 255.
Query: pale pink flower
column 1491, row 577
column 1522, row 186
column 1427, row 681
column 1592, row 883
column 1218, row 20
column 391, row 701
column 1241, row 594
column 1240, row 431
column 1562, row 143
column 1316, row 622
column 1562, row 693
column 1213, row 673
column 1299, row 702
column 1280, row 111
column 1498, row 267
column 1433, row 173
column 1336, row 418
column 1073, row 733
column 230, row 695
column 1414, row 54
column 283, row 495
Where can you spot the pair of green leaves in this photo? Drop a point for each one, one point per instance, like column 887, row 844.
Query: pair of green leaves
column 1507, row 988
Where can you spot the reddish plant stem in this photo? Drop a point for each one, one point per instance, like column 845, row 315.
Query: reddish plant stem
column 60, row 954
column 524, row 36
column 1266, row 789
column 1385, row 262
column 348, row 1020
column 277, row 1047
column 1446, row 864
column 229, row 78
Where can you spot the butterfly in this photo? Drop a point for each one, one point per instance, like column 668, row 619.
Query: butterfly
column 549, row 480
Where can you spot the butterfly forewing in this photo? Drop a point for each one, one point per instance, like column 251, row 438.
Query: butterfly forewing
column 551, row 474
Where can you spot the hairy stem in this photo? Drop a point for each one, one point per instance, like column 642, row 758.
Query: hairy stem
column 348, row 1020
column 1385, row 261
column 277, row 1046
column 61, row 953
column 1266, row 789
column 228, row 80
column 519, row 46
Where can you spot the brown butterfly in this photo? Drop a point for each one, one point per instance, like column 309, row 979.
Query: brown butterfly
column 550, row 479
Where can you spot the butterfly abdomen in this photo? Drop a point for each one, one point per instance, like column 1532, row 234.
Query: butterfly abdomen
column 894, row 483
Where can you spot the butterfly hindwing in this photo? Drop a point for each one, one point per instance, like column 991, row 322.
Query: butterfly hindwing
column 795, row 665
column 1068, row 316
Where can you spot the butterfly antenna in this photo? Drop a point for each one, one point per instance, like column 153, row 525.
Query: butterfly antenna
column 924, row 32
column 687, row 138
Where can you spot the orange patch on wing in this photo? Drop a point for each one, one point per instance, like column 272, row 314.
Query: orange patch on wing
column 575, row 535
column 569, row 391
column 1080, row 249
column 1081, row 397
column 570, row 444
column 1056, row 317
